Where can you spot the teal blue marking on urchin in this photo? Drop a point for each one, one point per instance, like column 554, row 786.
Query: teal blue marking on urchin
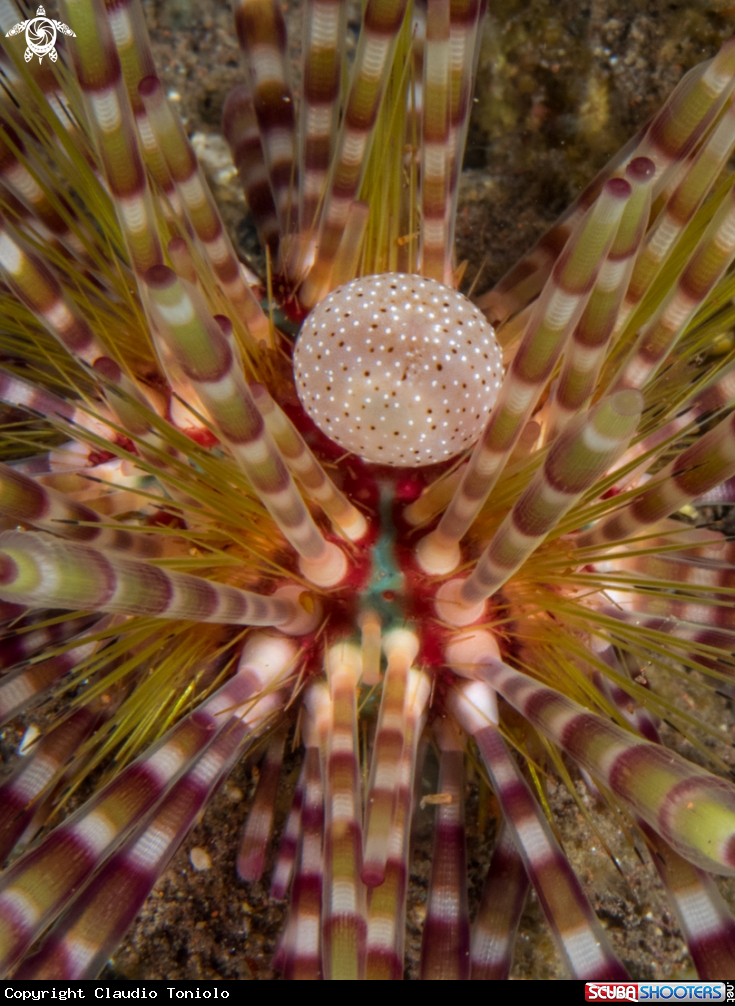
column 385, row 575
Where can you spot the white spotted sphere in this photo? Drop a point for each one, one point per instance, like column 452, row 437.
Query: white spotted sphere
column 398, row 369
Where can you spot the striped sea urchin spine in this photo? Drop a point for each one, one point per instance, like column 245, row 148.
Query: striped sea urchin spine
column 198, row 566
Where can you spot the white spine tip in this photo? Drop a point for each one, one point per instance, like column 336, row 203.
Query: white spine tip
column 328, row 570
column 475, row 705
column 303, row 620
column 357, row 527
column 418, row 692
column 319, row 713
column 452, row 609
column 414, row 514
column 466, row 650
column 436, row 559
column 267, row 657
column 401, row 641
column 344, row 657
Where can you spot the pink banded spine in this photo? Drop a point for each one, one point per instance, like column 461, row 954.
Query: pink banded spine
column 240, row 129
column 344, row 909
column 26, row 500
column 712, row 257
column 23, row 642
column 28, row 684
column 38, row 288
column 702, row 613
column 445, row 946
column 98, row 917
column 578, row 458
column 681, row 206
column 302, row 961
column 387, row 903
column 288, row 847
column 36, row 888
column 705, row 922
column 299, row 951
column 325, row 23
column 718, row 394
column 648, row 446
column 201, row 208
column 304, row 467
column 38, row 570
column 688, row 114
column 99, row 74
column 465, row 21
column 261, row 32
column 585, row 353
column 15, row 391
column 381, row 23
column 707, row 640
column 130, row 35
column 579, row 936
column 704, row 919
column 435, row 255
column 209, row 361
column 259, row 825
column 30, row 188
column 89, row 931
column 401, row 647
column 370, row 647
column 672, row 134
column 643, row 722
column 707, row 574
column 496, row 924
column 38, row 775
column 697, row 632
column 552, row 321
column 709, row 461
column 691, row 809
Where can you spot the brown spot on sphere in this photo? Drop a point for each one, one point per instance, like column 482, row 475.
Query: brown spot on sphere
column 398, row 369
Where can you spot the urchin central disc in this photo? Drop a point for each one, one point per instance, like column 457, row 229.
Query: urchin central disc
column 398, row 369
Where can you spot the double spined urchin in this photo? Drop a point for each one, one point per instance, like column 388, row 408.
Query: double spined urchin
column 191, row 570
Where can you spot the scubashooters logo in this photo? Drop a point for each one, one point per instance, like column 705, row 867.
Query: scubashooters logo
column 655, row 991
column 40, row 35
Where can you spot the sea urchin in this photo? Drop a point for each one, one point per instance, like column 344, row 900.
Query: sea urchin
column 191, row 570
